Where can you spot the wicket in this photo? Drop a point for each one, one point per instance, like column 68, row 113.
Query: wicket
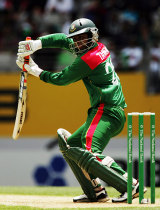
column 141, row 155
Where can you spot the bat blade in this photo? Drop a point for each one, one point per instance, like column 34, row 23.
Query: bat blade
column 21, row 109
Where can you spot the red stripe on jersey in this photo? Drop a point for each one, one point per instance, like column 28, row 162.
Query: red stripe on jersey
column 93, row 127
column 96, row 56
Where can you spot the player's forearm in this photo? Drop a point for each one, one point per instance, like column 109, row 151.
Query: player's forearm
column 60, row 78
column 58, row 40
column 53, row 78
column 73, row 73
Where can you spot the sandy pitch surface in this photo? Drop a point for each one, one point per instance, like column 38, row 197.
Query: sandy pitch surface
column 60, row 202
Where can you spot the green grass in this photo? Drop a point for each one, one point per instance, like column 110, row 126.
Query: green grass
column 58, row 191
column 64, row 191
column 53, row 191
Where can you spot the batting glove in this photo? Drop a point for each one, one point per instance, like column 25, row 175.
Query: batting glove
column 28, row 47
column 32, row 67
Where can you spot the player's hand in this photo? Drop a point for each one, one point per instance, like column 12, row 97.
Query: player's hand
column 28, row 47
column 32, row 67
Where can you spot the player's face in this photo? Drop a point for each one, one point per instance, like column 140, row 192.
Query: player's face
column 80, row 41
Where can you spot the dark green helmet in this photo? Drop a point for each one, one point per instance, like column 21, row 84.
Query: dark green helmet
column 81, row 26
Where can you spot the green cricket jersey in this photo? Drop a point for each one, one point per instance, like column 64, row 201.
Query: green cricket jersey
column 95, row 69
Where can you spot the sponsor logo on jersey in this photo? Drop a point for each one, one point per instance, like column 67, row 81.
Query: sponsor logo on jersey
column 103, row 53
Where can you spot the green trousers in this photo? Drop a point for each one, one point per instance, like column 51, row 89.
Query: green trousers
column 101, row 125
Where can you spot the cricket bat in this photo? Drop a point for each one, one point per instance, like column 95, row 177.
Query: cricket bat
column 21, row 109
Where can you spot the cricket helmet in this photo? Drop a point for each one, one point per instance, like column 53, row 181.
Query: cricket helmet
column 84, row 26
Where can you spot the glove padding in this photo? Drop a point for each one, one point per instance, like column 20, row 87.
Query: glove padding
column 28, row 47
column 32, row 67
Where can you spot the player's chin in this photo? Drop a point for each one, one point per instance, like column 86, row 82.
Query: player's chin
column 79, row 49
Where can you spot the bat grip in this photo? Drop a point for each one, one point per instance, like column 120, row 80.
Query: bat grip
column 26, row 58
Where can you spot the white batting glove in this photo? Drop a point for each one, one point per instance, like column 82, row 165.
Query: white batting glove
column 32, row 67
column 28, row 47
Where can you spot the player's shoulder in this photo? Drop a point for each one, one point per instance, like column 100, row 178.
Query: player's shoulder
column 96, row 55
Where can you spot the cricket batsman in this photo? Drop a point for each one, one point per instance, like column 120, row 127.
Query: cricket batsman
column 106, row 118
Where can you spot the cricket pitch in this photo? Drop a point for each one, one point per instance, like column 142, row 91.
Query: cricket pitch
column 62, row 202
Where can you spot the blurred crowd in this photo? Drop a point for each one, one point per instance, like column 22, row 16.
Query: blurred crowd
column 129, row 28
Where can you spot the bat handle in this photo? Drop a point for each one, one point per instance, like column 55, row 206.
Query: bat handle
column 26, row 58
